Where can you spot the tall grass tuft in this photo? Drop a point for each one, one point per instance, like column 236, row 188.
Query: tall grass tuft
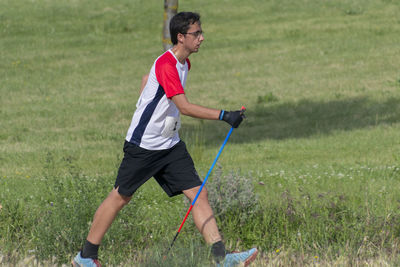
column 64, row 222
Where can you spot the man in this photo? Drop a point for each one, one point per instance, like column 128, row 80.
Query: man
column 153, row 149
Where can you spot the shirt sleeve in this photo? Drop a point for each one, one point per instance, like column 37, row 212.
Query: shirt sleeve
column 168, row 77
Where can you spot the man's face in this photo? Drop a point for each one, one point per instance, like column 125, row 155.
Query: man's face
column 193, row 38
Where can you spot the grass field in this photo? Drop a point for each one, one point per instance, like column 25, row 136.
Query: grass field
column 312, row 177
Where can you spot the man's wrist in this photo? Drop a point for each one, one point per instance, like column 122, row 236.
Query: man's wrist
column 221, row 114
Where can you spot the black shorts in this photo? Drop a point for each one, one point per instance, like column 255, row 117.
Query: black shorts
column 173, row 169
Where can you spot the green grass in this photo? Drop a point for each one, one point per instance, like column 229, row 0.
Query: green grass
column 321, row 84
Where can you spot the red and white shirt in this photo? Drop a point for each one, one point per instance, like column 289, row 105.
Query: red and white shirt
column 156, row 121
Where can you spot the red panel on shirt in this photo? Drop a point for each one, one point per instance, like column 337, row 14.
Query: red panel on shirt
column 188, row 62
column 167, row 75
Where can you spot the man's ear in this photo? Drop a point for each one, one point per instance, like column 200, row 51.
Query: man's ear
column 180, row 37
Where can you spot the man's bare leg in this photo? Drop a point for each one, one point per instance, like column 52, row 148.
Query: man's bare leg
column 105, row 215
column 203, row 215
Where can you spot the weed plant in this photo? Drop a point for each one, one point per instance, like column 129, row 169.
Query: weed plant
column 232, row 196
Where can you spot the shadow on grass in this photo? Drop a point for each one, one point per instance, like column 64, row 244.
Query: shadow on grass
column 303, row 119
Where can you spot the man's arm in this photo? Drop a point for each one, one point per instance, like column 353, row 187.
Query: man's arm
column 144, row 81
column 193, row 110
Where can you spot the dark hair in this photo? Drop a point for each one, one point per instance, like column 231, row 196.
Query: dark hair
column 180, row 23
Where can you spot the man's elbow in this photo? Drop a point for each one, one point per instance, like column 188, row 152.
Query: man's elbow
column 184, row 106
column 184, row 110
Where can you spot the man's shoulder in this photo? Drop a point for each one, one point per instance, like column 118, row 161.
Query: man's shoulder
column 166, row 59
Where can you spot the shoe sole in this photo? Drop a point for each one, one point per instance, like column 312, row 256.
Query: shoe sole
column 251, row 258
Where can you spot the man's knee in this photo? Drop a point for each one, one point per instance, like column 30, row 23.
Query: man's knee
column 191, row 193
column 203, row 195
column 119, row 199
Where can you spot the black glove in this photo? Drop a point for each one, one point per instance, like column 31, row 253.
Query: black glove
column 234, row 118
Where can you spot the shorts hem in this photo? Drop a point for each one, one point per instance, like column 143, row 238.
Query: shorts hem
column 123, row 191
column 185, row 187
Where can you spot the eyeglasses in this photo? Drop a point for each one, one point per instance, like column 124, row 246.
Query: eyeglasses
column 196, row 34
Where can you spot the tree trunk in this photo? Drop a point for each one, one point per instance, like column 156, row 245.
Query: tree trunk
column 170, row 9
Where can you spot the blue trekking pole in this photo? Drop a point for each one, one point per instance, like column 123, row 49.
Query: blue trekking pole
column 202, row 185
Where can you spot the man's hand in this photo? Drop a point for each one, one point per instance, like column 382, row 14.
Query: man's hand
column 234, row 118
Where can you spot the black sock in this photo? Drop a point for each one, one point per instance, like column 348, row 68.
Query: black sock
column 90, row 250
column 218, row 250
